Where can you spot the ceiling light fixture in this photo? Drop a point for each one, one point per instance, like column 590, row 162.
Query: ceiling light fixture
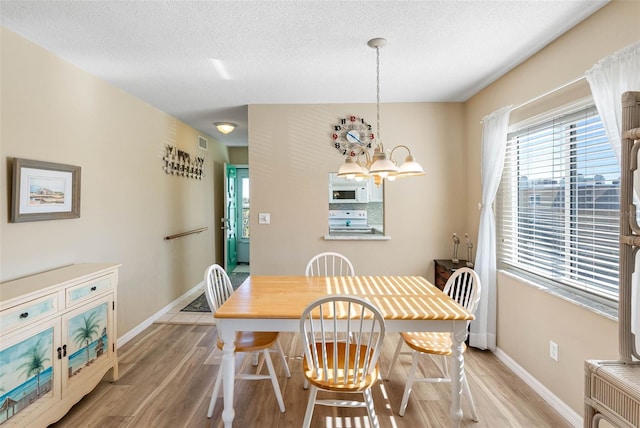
column 225, row 127
column 381, row 164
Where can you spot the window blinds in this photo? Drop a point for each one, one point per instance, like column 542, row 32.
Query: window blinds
column 558, row 203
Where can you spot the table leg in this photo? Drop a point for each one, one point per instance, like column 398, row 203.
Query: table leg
column 228, row 368
column 457, row 372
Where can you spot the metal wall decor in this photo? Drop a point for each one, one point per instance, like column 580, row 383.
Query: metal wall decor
column 181, row 163
column 469, row 251
column 469, row 245
column 456, row 242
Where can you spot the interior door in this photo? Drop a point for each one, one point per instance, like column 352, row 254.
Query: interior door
column 229, row 220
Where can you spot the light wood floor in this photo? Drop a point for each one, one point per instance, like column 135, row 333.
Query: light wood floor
column 167, row 374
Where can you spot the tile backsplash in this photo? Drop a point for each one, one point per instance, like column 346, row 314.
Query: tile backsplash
column 375, row 210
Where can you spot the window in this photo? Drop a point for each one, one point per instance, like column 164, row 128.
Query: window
column 356, row 208
column 558, row 203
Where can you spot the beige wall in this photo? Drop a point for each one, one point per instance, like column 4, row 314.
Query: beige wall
column 52, row 111
column 239, row 155
column 524, row 332
column 291, row 155
column 55, row 112
column 529, row 318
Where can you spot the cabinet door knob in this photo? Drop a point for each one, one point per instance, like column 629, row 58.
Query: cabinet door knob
column 59, row 352
column 64, row 350
column 93, row 288
column 24, row 315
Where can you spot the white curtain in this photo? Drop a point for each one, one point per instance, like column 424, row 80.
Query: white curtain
column 494, row 142
column 609, row 79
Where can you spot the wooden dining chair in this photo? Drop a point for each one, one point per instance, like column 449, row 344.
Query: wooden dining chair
column 217, row 290
column 344, row 366
column 329, row 264
column 463, row 286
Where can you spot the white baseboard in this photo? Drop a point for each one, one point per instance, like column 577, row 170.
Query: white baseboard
column 565, row 411
column 146, row 323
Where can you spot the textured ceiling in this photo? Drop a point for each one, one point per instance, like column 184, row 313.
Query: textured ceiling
column 271, row 52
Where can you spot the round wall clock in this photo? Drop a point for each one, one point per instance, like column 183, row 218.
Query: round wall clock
column 352, row 136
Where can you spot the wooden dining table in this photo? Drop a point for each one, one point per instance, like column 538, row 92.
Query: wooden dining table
column 275, row 303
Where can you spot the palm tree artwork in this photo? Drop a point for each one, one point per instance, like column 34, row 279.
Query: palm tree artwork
column 34, row 364
column 88, row 328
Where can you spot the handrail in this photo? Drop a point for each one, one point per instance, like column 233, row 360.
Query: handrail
column 179, row 235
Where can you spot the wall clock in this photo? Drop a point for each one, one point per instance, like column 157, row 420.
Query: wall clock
column 352, row 136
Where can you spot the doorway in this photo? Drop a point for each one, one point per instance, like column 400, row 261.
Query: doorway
column 242, row 223
column 236, row 220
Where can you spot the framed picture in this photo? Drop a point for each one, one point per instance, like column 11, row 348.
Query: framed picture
column 44, row 191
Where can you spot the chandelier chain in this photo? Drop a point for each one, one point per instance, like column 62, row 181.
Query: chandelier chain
column 378, row 94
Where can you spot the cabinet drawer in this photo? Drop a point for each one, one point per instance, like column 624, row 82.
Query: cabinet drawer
column 442, row 271
column 442, row 275
column 441, row 282
column 89, row 289
column 28, row 313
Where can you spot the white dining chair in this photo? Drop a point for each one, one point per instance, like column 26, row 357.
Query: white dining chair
column 341, row 366
column 329, row 264
column 217, row 290
column 463, row 286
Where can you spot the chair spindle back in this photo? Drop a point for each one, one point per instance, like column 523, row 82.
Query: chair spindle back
column 463, row 286
column 217, row 286
column 342, row 339
column 329, row 264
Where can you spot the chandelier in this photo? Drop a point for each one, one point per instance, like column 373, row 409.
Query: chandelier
column 381, row 164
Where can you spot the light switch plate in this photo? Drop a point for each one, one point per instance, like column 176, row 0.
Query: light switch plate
column 553, row 350
column 264, row 218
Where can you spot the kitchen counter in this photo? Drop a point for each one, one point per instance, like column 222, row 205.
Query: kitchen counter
column 357, row 237
column 375, row 235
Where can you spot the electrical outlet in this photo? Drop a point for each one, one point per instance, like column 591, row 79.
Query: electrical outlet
column 553, row 350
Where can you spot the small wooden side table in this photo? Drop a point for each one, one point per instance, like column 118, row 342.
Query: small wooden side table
column 444, row 269
column 612, row 392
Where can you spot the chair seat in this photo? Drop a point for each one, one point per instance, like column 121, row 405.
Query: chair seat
column 430, row 342
column 249, row 341
column 339, row 384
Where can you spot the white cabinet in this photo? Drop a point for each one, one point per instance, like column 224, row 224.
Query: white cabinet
column 377, row 194
column 57, row 341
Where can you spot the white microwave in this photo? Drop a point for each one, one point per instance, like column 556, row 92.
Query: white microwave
column 356, row 193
